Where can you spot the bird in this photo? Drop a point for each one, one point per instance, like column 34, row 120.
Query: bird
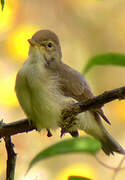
column 45, row 86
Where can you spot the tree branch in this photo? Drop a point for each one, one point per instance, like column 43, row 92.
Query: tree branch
column 11, row 158
column 16, row 127
column 93, row 103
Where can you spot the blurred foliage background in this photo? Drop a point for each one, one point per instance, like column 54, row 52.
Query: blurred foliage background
column 85, row 28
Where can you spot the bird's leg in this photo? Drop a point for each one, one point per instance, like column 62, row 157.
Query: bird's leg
column 63, row 131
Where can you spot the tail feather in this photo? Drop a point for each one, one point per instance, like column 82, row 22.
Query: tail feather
column 110, row 145
column 101, row 113
column 92, row 124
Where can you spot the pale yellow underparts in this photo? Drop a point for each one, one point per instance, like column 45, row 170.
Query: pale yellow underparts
column 38, row 95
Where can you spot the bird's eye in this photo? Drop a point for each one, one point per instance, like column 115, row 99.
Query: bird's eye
column 50, row 45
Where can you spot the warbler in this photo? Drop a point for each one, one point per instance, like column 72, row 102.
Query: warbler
column 45, row 86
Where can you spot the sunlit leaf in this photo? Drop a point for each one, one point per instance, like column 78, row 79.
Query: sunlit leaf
column 8, row 17
column 82, row 145
column 77, row 178
column 106, row 59
column 2, row 4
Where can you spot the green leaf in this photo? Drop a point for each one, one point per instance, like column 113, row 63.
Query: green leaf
column 2, row 4
column 106, row 59
column 83, row 145
column 78, row 178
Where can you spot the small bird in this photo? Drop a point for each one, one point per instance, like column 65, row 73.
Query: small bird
column 45, row 86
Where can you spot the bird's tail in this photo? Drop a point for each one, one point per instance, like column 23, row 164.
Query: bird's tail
column 93, row 126
column 110, row 145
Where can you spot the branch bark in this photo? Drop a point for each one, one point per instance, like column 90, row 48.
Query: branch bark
column 93, row 103
column 11, row 158
column 16, row 127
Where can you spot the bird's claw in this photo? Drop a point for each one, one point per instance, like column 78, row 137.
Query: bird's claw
column 49, row 134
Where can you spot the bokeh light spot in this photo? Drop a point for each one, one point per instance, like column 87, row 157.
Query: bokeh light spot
column 77, row 170
column 17, row 44
column 119, row 110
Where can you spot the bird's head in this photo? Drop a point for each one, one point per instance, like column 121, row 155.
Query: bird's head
column 47, row 44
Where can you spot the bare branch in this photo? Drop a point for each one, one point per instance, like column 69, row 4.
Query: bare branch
column 13, row 128
column 115, row 169
column 95, row 102
column 118, row 168
column 11, row 158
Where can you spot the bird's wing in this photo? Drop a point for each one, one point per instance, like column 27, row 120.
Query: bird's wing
column 73, row 84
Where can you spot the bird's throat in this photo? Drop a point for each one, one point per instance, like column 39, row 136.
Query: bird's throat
column 35, row 56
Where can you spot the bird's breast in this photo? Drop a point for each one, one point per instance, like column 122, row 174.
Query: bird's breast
column 38, row 94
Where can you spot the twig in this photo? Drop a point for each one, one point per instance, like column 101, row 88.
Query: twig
column 11, row 158
column 103, row 164
column 115, row 169
column 118, row 168
column 93, row 103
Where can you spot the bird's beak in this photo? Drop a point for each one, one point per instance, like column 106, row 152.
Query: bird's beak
column 33, row 43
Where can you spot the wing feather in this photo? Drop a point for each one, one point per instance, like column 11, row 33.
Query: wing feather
column 73, row 84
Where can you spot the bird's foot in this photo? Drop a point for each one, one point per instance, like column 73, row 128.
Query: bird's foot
column 73, row 133
column 63, row 131
column 49, row 134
